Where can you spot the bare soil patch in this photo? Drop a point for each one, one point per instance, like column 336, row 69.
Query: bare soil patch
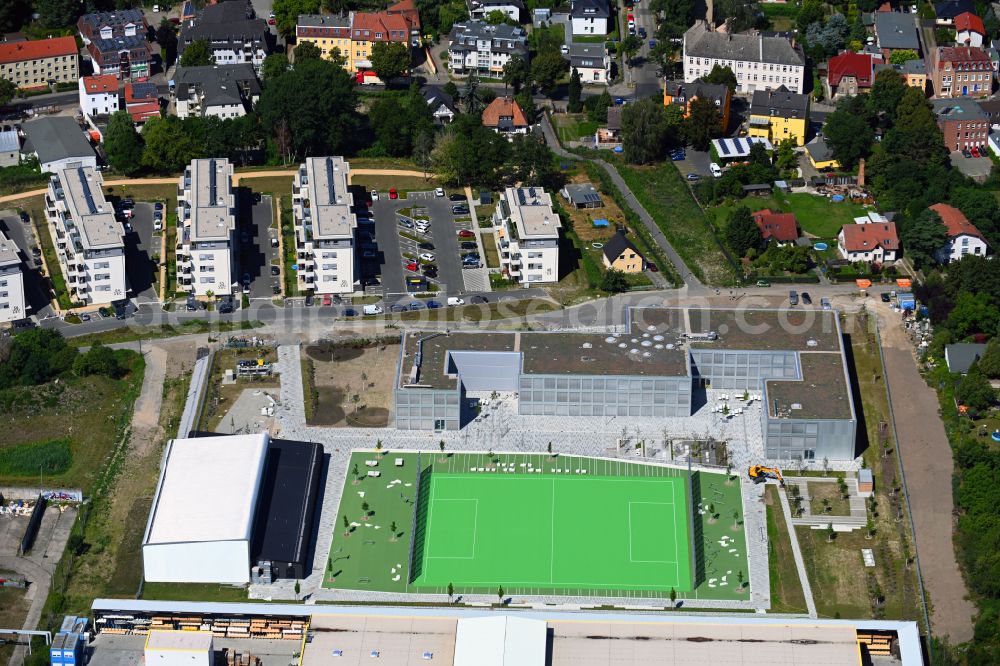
column 353, row 383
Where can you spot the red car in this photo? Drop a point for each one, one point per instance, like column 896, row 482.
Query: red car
column 412, row 266
column 975, row 151
column 271, row 21
column 327, row 300
column 465, row 233
column 631, row 18
column 393, row 194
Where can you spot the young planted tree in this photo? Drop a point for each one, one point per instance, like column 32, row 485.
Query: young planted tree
column 364, row 510
column 736, row 518
column 574, row 103
column 451, row 592
column 830, row 534
column 500, row 593
column 298, row 589
column 673, row 596
column 869, row 529
column 347, row 526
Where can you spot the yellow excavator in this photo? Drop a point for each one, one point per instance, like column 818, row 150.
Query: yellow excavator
column 760, row 474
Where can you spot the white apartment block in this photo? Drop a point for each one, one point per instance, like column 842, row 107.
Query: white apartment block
column 759, row 62
column 527, row 235
column 89, row 241
column 206, row 212
column 13, row 305
column 99, row 95
column 324, row 226
column 475, row 47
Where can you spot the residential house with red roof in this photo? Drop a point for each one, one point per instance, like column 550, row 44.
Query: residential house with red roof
column 963, row 236
column 969, row 30
column 99, row 95
column 849, row 74
column 367, row 29
column 142, row 101
column 961, row 71
column 36, row 63
column 876, row 242
column 781, row 228
column 504, row 116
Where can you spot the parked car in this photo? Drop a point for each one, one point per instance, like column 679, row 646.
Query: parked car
column 405, row 222
column 24, row 217
column 274, row 241
column 460, row 209
column 468, row 245
column 374, row 195
column 885, row 297
column 372, row 309
column 275, row 270
column 350, row 312
column 966, row 152
column 393, row 194
column 439, row 192
column 465, row 233
column 369, row 254
column 426, row 256
column 428, row 267
column 433, row 305
column 763, row 283
column 806, row 298
column 793, row 297
column 396, row 307
column 975, row 151
column 415, row 305
column 825, row 303
column 226, row 305
column 454, row 300
column 412, row 266
column 693, row 177
column 653, row 268
column 456, row 197
column 158, row 206
column 84, row 317
column 425, row 246
column 479, row 299
column 309, row 301
column 327, row 300
column 430, row 271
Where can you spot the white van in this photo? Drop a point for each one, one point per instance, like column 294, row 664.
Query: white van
column 715, row 169
column 453, row 300
column 372, row 309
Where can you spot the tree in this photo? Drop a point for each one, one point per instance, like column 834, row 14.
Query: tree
column 392, row 527
column 471, row 101
column 423, row 145
column 828, row 39
column 7, row 91
column 989, row 364
column 14, row 14
column 787, row 159
column 306, row 51
column 298, row 589
column 500, row 593
column 973, row 313
column 742, row 233
column 547, row 68
column 974, row 391
column 168, row 147
column 286, row 14
column 531, row 161
column 722, row 76
column 441, row 445
column 516, row 73
column 923, row 237
column 497, row 17
column 315, row 104
column 451, row 90
column 197, row 54
column 830, row 534
column 673, row 596
column 364, row 509
column 614, row 281
column 57, row 13
column 347, row 523
column 629, row 48
column 597, row 106
column 166, row 37
column 99, row 360
column 849, row 136
column 812, row 11
column 646, row 130
column 123, row 144
column 886, row 93
column 573, row 104
column 390, row 60
column 900, row 56
column 273, row 66
column 451, row 592
column 703, row 124
column 36, row 356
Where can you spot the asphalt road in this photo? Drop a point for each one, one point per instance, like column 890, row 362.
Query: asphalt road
column 35, row 286
column 256, row 254
column 140, row 246
column 444, row 233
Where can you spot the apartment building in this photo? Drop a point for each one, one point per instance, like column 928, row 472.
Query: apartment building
column 591, row 61
column 777, row 115
column 89, row 241
column 367, row 29
column 963, row 123
column 759, row 62
column 225, row 91
column 124, row 57
column 35, row 64
column 475, row 47
column 961, row 71
column 527, row 235
column 98, row 95
column 324, row 226
column 107, row 25
column 233, row 33
column 206, row 210
column 327, row 32
column 13, row 305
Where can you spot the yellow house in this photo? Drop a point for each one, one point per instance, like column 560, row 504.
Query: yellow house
column 368, row 28
column 621, row 255
column 779, row 114
column 327, row 32
column 820, row 155
column 915, row 73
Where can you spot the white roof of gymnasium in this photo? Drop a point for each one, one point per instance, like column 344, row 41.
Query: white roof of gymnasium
column 500, row 641
column 208, row 489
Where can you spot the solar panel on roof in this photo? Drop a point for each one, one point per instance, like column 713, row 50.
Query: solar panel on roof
column 724, row 145
column 591, row 198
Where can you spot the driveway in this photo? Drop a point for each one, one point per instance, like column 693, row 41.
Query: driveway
column 141, row 244
column 977, row 168
column 256, row 253
column 35, row 286
column 926, row 457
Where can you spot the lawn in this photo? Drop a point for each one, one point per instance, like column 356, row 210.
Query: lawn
column 830, row 492
column 786, row 589
column 286, row 224
column 818, row 217
column 573, row 126
column 13, row 611
column 133, row 333
column 665, row 196
column 490, row 251
column 540, row 527
column 402, row 184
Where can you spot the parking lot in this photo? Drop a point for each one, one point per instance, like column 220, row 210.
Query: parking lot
column 36, row 287
column 397, row 246
column 977, row 168
column 695, row 161
column 141, row 245
column 256, row 253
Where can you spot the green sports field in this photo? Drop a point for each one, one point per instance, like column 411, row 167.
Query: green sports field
column 545, row 531
column 536, row 524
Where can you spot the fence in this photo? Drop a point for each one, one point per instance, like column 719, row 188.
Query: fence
column 28, row 540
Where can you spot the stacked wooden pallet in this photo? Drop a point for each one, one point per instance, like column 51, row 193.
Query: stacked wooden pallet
column 878, row 643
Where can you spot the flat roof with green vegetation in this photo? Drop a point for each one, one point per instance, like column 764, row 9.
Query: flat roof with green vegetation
column 536, row 524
